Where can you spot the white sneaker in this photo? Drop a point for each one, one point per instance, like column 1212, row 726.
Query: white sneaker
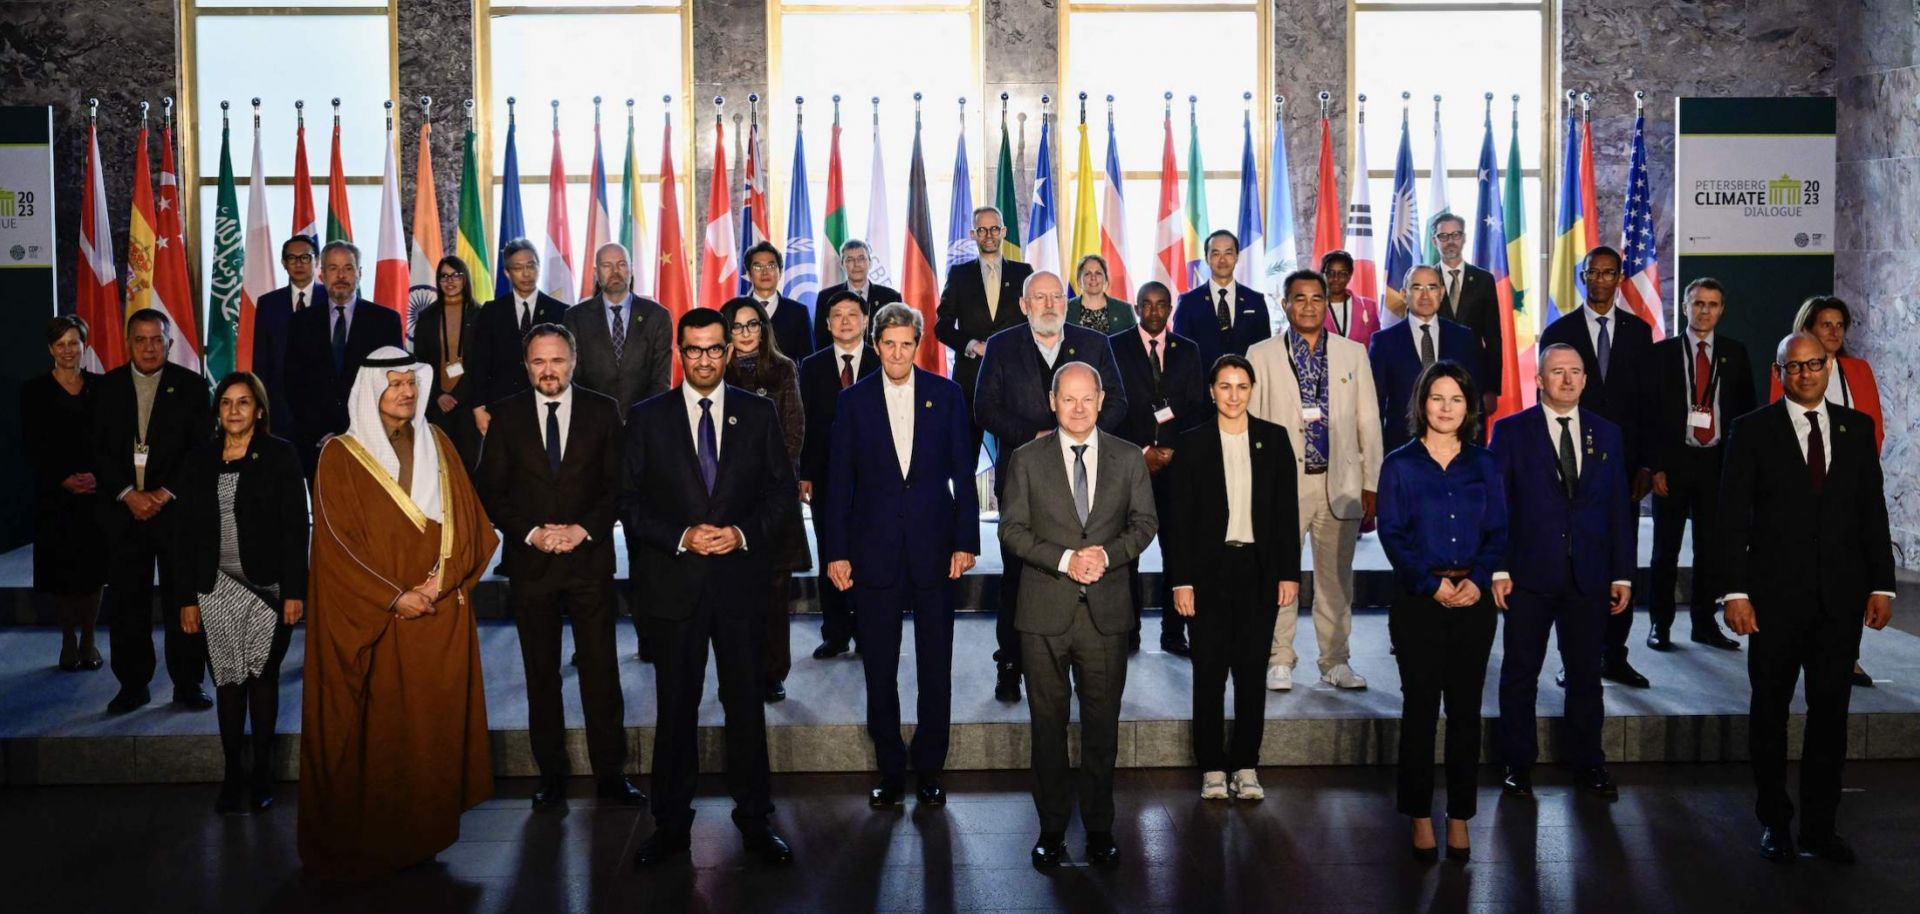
column 1246, row 785
column 1343, row 677
column 1213, row 785
column 1280, row 678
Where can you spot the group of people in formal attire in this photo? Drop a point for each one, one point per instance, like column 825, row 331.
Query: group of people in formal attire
column 537, row 425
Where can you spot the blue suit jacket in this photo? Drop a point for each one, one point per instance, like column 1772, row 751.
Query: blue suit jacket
column 1011, row 397
column 270, row 318
column 1557, row 545
column 1194, row 319
column 899, row 530
column 1396, row 369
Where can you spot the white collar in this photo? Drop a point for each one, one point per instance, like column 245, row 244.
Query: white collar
column 1416, row 321
column 565, row 398
column 692, row 396
column 1694, row 339
column 1067, row 444
column 856, row 351
column 1553, row 414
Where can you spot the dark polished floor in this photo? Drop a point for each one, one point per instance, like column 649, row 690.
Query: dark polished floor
column 1681, row 838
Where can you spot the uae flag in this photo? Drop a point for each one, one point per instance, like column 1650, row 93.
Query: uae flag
column 339, row 221
column 917, row 283
column 96, row 284
column 834, row 229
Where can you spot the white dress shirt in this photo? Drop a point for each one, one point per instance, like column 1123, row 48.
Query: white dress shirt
column 1092, row 459
column 1687, row 371
column 1415, row 322
column 524, row 310
column 1593, row 331
column 864, row 290
column 899, row 398
column 565, row 414
column 1049, row 353
column 769, row 305
column 1579, row 456
column 717, row 408
column 1237, row 458
column 311, row 290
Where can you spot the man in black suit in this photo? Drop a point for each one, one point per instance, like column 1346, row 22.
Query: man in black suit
column 1614, row 346
column 325, row 347
column 792, row 328
column 1165, row 386
column 976, row 303
column 1014, row 403
column 545, row 476
column 847, row 358
column 1698, row 382
column 150, row 413
column 856, row 259
column 503, row 325
column 1222, row 315
column 1806, row 560
column 1473, row 300
column 299, row 255
column 709, row 486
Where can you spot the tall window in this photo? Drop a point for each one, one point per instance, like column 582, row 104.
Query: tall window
column 1121, row 49
column 1497, row 46
column 860, row 50
column 540, row 51
column 237, row 50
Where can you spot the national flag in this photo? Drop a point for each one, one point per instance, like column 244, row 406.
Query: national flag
column 96, row 281
column 1569, row 231
column 1437, row 203
column 513, row 219
column 1252, row 236
column 1526, row 309
column 1170, row 228
column 1589, row 206
column 834, row 226
column 599, row 223
column 633, row 216
column 1283, row 250
column 306, row 221
column 1043, row 237
column 1490, row 254
column 1006, row 196
column 1113, row 223
column 427, row 242
column 226, row 289
column 171, row 286
column 1197, row 230
column 1086, row 215
column 719, row 259
column 140, row 232
column 390, row 279
column 1326, row 204
column 673, row 290
column 918, row 285
column 257, row 269
column 1403, row 225
column 558, row 278
column 339, row 221
column 470, row 236
column 1366, row 269
column 802, row 279
column 1639, row 251
column 878, row 230
column 960, row 245
column 753, row 203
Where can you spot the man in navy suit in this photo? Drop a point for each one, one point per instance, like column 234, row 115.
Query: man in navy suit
column 846, row 359
column 708, row 486
column 503, row 325
column 1569, row 564
column 299, row 255
column 1614, row 348
column 856, row 259
column 1013, row 402
column 1166, row 389
column 325, row 347
column 1399, row 353
column 792, row 326
column 1222, row 316
column 902, row 476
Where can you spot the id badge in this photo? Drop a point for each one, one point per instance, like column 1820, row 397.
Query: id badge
column 1163, row 415
column 140, row 456
column 455, row 369
column 1699, row 418
column 1310, row 414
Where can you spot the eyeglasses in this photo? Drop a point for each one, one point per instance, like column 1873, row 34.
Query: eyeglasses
column 989, row 230
column 762, row 267
column 1449, row 236
column 1808, row 366
column 446, row 276
column 752, row 326
column 1603, row 274
column 695, row 353
column 291, row 259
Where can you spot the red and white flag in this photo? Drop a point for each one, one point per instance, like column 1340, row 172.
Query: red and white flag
column 1113, row 224
column 171, row 284
column 719, row 259
column 390, row 267
column 306, row 221
column 1366, row 266
column 257, row 275
column 1170, row 230
column 1326, row 203
column 672, row 289
column 599, row 223
column 560, row 280
column 96, row 284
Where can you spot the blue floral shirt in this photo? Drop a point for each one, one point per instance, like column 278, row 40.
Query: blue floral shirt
column 1310, row 369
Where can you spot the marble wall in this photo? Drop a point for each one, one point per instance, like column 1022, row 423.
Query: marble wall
column 435, row 59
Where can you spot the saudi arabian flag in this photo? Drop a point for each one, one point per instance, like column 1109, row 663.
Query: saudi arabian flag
column 223, row 311
column 470, row 243
column 1006, row 198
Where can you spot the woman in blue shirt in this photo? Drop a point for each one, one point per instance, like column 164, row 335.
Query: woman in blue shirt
column 1443, row 522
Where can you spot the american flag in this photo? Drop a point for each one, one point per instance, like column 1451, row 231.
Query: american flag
column 1638, row 244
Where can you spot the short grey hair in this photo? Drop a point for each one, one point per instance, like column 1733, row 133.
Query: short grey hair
column 1061, row 372
column 988, row 208
column 898, row 314
column 348, row 246
column 1408, row 281
column 1540, row 370
column 854, row 244
column 1026, row 285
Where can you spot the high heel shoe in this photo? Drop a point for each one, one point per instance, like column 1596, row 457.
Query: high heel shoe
column 1426, row 854
column 90, row 658
column 1459, row 854
column 69, row 658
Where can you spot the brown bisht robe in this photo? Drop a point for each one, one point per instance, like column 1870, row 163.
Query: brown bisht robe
column 393, row 735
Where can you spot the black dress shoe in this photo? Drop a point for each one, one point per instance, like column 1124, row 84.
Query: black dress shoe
column 1776, row 845
column 1177, row 646
column 1049, row 851
column 1860, row 679
column 829, row 649
column 770, row 847
column 776, row 691
column 192, row 698
column 1006, row 685
column 69, row 658
column 646, row 651
column 1101, row 851
column 1831, row 848
column 129, row 698
column 659, row 846
column 1426, row 854
column 233, row 792
column 574, row 660
column 90, row 658
column 552, row 792
column 1517, row 783
column 1599, row 781
column 1712, row 637
column 931, row 793
column 884, row 796
column 1623, row 672
column 1660, row 639
column 620, row 791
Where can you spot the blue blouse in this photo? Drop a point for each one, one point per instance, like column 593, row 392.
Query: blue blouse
column 1442, row 518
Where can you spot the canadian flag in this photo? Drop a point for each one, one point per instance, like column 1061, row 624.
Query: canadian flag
column 719, row 259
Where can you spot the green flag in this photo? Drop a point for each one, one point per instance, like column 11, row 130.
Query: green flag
column 1196, row 208
column 470, row 243
column 223, row 311
column 1006, row 198
column 1514, row 215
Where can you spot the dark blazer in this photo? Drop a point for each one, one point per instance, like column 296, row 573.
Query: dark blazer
column 1183, row 386
column 319, row 390
column 754, row 491
column 1555, row 545
column 179, row 422
column 1791, row 551
column 1193, row 540
column 1479, row 310
column 1011, row 400
column 1038, row 524
column 269, row 516
column 499, row 371
column 1621, row 398
column 908, row 528
column 1670, row 393
column 427, row 348
column 521, row 491
column 878, row 296
column 792, row 327
column 962, row 315
column 1395, row 358
column 646, row 363
column 271, row 316
column 819, row 396
column 1194, row 318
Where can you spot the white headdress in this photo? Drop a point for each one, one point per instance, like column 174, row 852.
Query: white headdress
column 364, row 425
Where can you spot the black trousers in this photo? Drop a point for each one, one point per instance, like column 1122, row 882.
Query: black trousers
column 881, row 615
column 1581, row 621
column 1086, row 663
column 1442, row 652
column 680, row 672
column 1172, row 624
column 1006, row 637
column 1232, row 627
column 538, row 606
column 1824, row 645
column 1694, row 487
column 777, row 646
column 836, row 605
column 132, row 552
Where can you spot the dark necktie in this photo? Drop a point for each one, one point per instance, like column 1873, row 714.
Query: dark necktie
column 1569, row 465
column 709, row 448
column 526, row 317
column 339, row 337
column 1702, row 371
column 846, row 371
column 1426, row 345
column 300, row 303
column 1605, row 349
column 1224, row 313
column 1153, row 364
column 620, row 338
column 1453, row 291
column 1081, row 502
column 553, row 437
column 1816, row 453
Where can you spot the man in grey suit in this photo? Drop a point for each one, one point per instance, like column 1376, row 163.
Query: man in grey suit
column 625, row 341
column 1078, row 503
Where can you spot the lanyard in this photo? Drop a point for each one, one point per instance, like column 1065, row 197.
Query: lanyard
column 1297, row 383
column 1846, row 392
column 1713, row 376
column 1333, row 316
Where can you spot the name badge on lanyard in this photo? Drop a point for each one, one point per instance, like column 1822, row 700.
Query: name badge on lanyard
column 1310, row 414
column 455, row 369
column 1700, row 418
column 140, row 456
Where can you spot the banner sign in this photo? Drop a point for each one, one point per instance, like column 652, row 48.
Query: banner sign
column 1754, row 194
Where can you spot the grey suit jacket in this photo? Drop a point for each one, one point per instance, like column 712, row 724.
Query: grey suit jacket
column 1038, row 524
column 646, row 363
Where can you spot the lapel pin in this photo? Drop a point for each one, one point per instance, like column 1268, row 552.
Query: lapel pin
column 927, row 405
column 169, row 390
column 1070, row 351
column 1843, row 429
column 733, row 420
column 1257, row 445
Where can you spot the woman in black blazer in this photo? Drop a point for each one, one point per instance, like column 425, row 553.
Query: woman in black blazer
column 242, row 577
column 1232, row 547
column 446, row 335
column 56, row 409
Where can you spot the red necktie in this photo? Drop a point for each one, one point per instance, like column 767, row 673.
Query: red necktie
column 1816, row 453
column 1702, row 374
column 846, row 371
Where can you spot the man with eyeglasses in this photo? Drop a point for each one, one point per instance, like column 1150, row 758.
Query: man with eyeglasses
column 1806, row 560
column 1401, row 352
column 1472, row 300
column 856, row 260
column 325, row 348
column 979, row 300
column 1614, row 347
column 792, row 329
column 502, row 327
column 270, row 317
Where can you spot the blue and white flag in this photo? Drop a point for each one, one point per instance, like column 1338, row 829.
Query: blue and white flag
column 1253, row 242
column 802, row 282
column 513, row 222
column 1043, row 237
column 960, row 244
column 1403, row 223
column 1283, row 250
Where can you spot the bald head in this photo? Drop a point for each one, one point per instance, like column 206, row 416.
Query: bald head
column 612, row 271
